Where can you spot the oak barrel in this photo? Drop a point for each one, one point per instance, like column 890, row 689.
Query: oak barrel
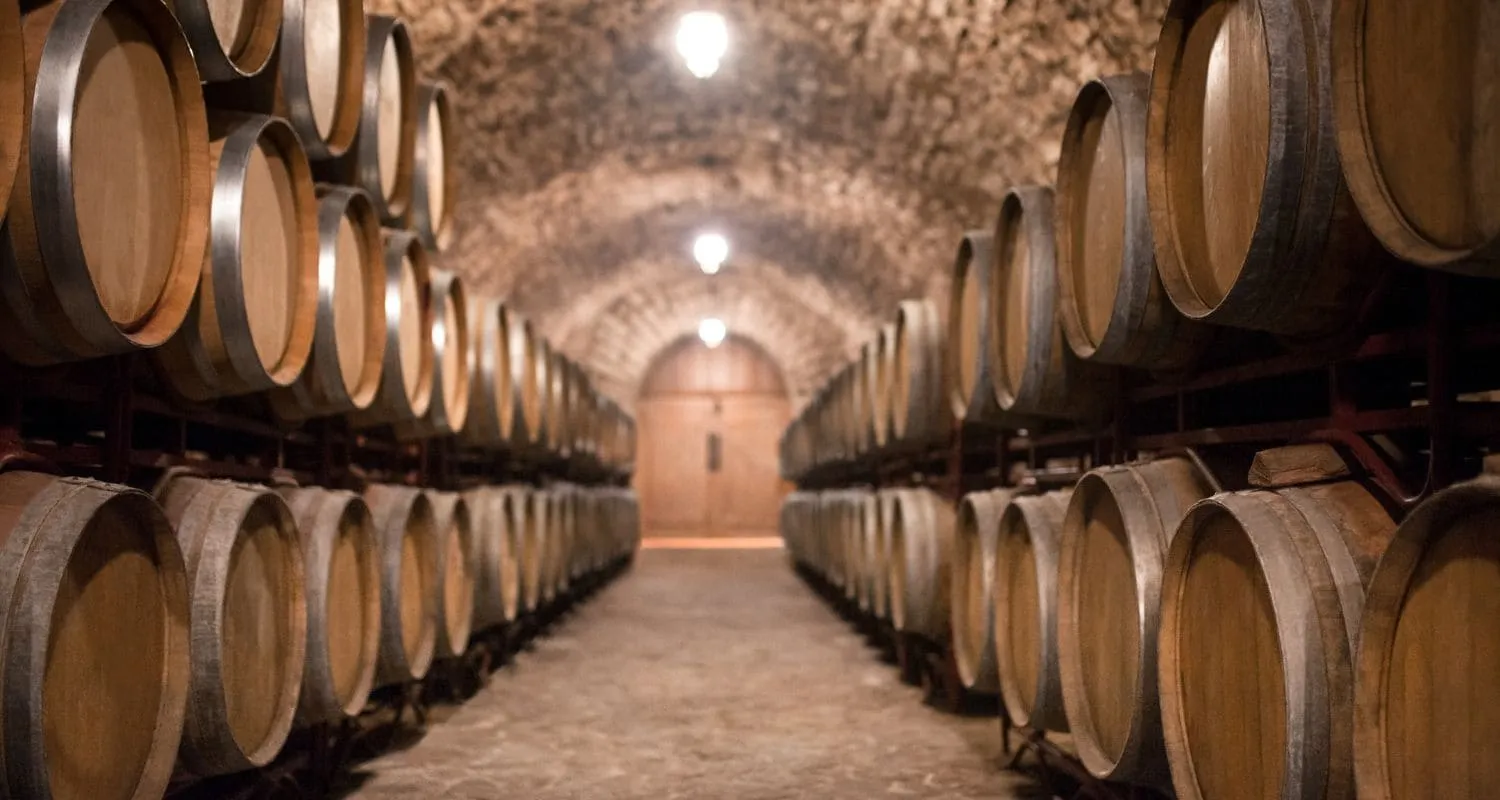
column 1033, row 371
column 527, row 416
column 341, row 555
column 559, row 379
column 1252, row 223
column 448, row 407
column 973, row 602
column 920, row 536
column 248, row 620
column 971, row 393
column 409, row 587
column 251, row 325
column 497, row 520
column 1113, row 307
column 1419, row 126
column 406, row 376
column 920, row 413
column 1115, row 535
column 456, row 571
column 349, row 337
column 488, row 421
column 230, row 38
column 381, row 159
column 1028, row 542
column 95, row 651
column 533, row 547
column 1261, row 599
column 105, row 250
column 320, row 78
column 12, row 98
column 883, row 384
column 1426, row 723
column 434, row 179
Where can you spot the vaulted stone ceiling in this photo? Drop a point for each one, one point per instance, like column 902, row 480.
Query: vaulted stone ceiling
column 842, row 148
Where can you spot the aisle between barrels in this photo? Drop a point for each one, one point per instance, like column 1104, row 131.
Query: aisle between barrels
column 701, row 674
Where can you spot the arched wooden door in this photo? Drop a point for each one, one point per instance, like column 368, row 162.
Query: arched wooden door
column 709, row 421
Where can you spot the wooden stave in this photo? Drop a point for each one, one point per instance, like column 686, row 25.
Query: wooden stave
column 440, row 420
column 920, row 414
column 1042, row 515
column 291, row 90
column 1152, row 497
column 920, row 566
column 12, row 100
column 1054, row 383
column 55, row 313
column 975, row 257
column 393, row 509
column 33, row 557
column 215, row 64
column 1332, row 271
column 320, row 390
column 419, row 214
column 1361, row 170
column 211, row 356
column 451, row 513
column 391, row 403
column 200, row 509
column 1145, row 329
column 974, row 537
column 1387, row 590
column 1316, row 555
column 319, row 513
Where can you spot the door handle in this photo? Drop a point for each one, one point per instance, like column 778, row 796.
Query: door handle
column 715, row 452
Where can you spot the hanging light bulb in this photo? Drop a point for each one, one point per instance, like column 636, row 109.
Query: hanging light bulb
column 702, row 40
column 710, row 250
column 712, row 331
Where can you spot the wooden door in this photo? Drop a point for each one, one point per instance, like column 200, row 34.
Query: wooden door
column 747, row 489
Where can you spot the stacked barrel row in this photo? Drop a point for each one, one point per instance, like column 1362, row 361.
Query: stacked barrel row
column 1285, row 640
column 256, row 192
column 1243, row 185
column 191, row 631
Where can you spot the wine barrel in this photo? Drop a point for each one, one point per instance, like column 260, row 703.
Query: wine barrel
column 456, row 571
column 1425, row 722
column 488, row 423
column 1026, row 557
column 973, row 603
column 12, row 98
column 1418, row 130
column 406, row 376
column 1264, row 707
column 919, row 413
column 526, row 413
column 448, row 407
column 348, row 346
column 320, row 78
column 409, row 581
column 434, row 180
column 559, row 378
column 382, row 157
column 534, row 545
column 104, row 252
column 1114, row 541
column 884, row 352
column 1033, row 371
column 1252, row 223
column 95, row 651
column 251, row 325
column 230, row 38
column 341, row 554
column 921, row 563
column 497, row 518
column 971, row 393
column 862, row 521
column 1114, row 309
column 248, row 620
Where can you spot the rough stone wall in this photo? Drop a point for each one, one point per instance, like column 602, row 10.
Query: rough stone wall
column 843, row 147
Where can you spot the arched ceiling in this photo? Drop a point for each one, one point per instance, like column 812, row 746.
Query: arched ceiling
column 843, row 147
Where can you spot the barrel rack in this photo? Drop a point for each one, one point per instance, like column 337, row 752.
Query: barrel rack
column 111, row 420
column 1411, row 401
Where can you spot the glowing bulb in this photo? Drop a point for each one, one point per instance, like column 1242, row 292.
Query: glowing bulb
column 712, row 332
column 710, row 250
column 702, row 39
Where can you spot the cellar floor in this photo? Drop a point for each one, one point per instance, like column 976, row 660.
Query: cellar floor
column 705, row 675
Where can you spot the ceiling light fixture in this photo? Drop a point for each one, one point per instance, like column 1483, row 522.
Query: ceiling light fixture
column 710, row 250
column 712, row 331
column 702, row 40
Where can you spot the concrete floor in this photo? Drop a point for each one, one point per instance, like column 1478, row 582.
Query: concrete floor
column 712, row 675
